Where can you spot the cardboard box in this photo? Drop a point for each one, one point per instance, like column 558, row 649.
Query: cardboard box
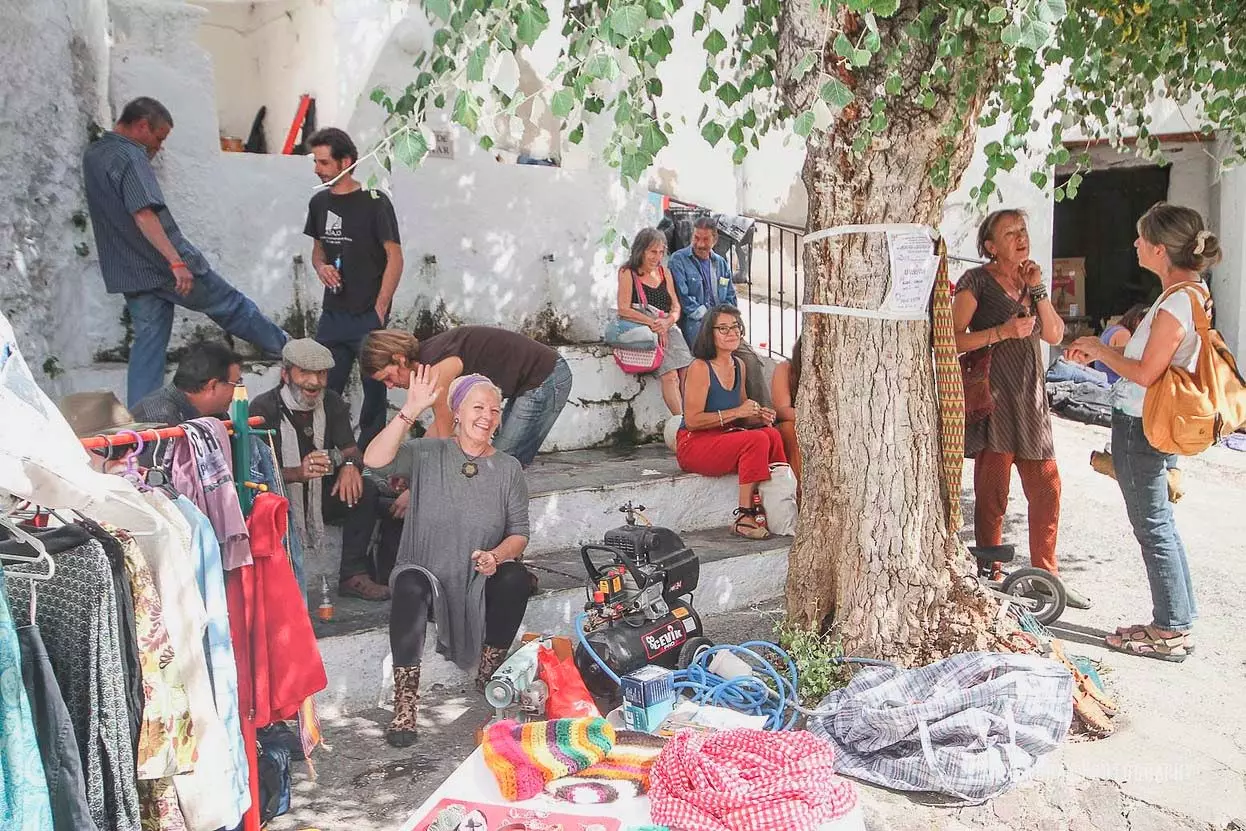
column 1068, row 285
column 648, row 697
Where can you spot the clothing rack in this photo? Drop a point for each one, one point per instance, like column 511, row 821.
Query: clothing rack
column 241, row 425
column 129, row 437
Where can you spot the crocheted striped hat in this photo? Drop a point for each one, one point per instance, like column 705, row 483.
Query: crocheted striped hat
column 523, row 757
column 623, row 774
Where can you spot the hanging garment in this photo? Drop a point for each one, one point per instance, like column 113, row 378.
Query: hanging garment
column 267, row 471
column 284, row 657
column 77, row 617
column 58, row 746
column 203, row 472
column 206, row 555
column 126, row 629
column 23, row 786
column 266, row 608
column 202, row 793
column 166, row 743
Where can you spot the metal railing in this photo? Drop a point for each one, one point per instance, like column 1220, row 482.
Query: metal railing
column 770, row 300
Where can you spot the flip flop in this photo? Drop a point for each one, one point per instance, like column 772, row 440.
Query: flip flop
column 1144, row 644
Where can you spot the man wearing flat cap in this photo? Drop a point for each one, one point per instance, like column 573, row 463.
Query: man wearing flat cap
column 321, row 462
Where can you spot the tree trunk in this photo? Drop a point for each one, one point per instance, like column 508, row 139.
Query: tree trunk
column 874, row 555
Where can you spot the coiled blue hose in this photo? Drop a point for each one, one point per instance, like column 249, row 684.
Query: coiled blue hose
column 771, row 690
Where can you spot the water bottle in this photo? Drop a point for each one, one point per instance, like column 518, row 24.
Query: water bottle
column 325, row 611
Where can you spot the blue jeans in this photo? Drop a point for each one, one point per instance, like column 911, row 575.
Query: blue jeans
column 151, row 313
column 529, row 417
column 343, row 333
column 1142, row 472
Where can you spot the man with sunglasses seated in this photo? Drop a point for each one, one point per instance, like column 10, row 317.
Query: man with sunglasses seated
column 202, row 386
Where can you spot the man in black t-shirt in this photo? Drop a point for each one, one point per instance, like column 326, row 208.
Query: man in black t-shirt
column 320, row 462
column 357, row 254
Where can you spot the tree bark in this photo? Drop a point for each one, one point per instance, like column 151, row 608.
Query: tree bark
column 874, row 556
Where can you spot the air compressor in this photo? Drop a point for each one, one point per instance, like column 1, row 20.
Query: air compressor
column 641, row 580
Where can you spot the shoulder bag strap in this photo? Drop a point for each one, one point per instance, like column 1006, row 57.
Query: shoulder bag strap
column 640, row 288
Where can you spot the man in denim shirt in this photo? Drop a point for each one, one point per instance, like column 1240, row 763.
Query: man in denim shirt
column 703, row 281
column 702, row 278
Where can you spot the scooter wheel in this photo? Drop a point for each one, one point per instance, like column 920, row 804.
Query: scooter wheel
column 688, row 652
column 1040, row 587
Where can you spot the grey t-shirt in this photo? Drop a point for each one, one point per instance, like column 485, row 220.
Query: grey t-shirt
column 167, row 405
column 449, row 517
column 119, row 183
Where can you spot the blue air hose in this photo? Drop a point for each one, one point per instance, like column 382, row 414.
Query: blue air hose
column 770, row 691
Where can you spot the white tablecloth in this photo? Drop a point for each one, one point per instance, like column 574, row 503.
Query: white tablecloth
column 473, row 781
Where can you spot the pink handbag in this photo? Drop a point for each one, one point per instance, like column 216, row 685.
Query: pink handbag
column 640, row 361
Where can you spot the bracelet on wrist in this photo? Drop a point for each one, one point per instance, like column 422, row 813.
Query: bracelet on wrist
column 720, row 419
column 176, row 264
column 408, row 419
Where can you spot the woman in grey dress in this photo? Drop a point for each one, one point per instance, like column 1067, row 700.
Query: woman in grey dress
column 466, row 525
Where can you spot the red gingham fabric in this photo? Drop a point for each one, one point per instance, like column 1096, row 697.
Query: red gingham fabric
column 747, row 780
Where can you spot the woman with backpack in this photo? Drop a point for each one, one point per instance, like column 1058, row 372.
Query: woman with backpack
column 1173, row 244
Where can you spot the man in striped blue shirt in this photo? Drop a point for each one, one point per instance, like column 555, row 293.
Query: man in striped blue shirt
column 144, row 256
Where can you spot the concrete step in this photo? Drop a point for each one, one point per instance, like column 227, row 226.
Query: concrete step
column 575, row 495
column 735, row 573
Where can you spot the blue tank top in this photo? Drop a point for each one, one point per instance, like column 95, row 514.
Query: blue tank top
column 718, row 397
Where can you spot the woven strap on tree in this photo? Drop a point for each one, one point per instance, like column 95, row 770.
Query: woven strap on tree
column 951, row 391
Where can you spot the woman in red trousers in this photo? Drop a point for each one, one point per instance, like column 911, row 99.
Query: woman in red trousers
column 723, row 430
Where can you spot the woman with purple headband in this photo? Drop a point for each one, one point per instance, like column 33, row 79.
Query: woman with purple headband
column 465, row 528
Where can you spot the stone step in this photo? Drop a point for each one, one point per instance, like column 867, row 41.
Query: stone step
column 575, row 496
column 735, row 573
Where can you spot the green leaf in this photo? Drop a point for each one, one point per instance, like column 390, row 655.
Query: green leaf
column 698, row 22
column 529, row 28
column 836, row 93
column 715, row 42
column 770, row 8
column 476, row 63
column 997, row 15
column 378, row 95
column 486, row 142
column 894, row 84
column 635, row 165
column 562, row 103
column 438, row 8
column 627, row 21
column 410, row 147
column 602, row 66
column 803, row 125
column 1039, row 179
column 652, row 139
column 844, row 47
column 736, row 133
column 803, row 66
column 740, row 153
column 872, row 43
column 654, row 87
column 729, row 94
column 708, row 78
column 656, row 9
column 884, row 8
column 465, row 112
column 719, row 4
column 594, row 105
column 860, row 57
column 577, row 135
column 660, row 44
column 713, row 132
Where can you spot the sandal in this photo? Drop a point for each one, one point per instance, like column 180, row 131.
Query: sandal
column 746, row 525
column 1145, row 643
column 1138, row 627
column 363, row 587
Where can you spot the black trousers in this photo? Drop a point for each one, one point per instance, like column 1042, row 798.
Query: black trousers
column 357, row 526
column 343, row 334
column 506, row 600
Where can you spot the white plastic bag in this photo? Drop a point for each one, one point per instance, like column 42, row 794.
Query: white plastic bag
column 778, row 497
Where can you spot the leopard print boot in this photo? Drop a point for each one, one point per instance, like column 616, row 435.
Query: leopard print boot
column 402, row 729
column 491, row 657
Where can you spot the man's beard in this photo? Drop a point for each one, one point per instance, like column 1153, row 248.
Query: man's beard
column 303, row 398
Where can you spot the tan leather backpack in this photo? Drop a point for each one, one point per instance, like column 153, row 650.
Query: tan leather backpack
column 1187, row 412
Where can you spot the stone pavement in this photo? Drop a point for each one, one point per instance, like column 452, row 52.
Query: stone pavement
column 1177, row 761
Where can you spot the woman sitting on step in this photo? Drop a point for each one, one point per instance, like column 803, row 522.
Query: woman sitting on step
column 465, row 529
column 723, row 431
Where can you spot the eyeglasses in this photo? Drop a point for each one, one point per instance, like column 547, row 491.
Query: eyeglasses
column 727, row 330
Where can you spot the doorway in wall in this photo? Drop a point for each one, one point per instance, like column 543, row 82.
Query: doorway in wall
column 1100, row 226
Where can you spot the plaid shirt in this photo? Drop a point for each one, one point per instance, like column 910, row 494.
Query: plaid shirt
column 970, row 726
column 747, row 780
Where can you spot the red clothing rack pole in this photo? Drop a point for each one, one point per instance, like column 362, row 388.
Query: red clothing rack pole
column 121, row 440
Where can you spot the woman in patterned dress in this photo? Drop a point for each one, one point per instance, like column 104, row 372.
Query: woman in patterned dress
column 1003, row 307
